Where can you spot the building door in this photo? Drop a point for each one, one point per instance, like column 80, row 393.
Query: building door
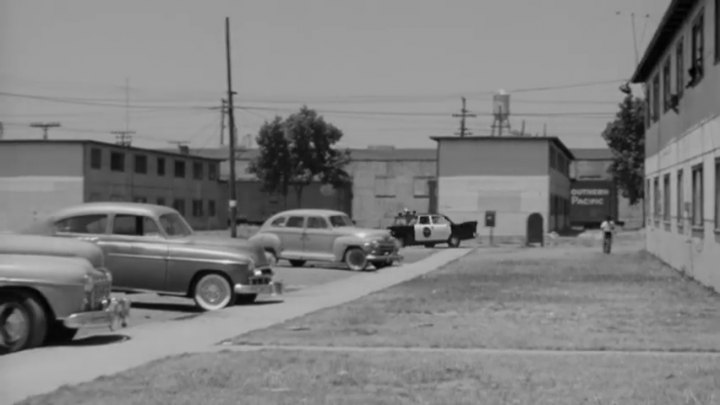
column 432, row 192
column 535, row 232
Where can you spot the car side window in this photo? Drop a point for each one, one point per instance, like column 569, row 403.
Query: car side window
column 135, row 225
column 278, row 222
column 96, row 223
column 439, row 220
column 317, row 223
column 295, row 222
column 424, row 220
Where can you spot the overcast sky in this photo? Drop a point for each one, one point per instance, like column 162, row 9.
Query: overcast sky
column 359, row 63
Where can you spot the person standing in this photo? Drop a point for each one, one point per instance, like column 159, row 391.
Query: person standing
column 608, row 228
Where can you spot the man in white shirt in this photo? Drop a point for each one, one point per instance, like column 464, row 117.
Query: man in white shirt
column 607, row 227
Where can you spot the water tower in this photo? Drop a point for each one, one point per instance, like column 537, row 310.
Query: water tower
column 501, row 112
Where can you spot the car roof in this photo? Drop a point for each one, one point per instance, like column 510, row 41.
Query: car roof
column 116, row 207
column 309, row 211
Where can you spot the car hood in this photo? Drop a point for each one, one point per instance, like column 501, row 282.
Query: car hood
column 51, row 246
column 366, row 233
column 243, row 246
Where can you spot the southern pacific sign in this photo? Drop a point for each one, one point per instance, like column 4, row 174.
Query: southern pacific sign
column 592, row 201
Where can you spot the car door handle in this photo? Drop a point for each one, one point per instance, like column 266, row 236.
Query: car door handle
column 89, row 238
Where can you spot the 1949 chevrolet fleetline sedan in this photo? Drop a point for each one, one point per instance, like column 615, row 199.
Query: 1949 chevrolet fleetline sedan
column 151, row 248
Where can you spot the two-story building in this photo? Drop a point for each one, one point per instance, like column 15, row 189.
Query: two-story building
column 38, row 177
column 514, row 176
column 680, row 71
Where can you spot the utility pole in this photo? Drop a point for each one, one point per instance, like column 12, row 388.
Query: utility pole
column 231, row 136
column 222, row 121
column 462, row 115
column 45, row 126
column 123, row 137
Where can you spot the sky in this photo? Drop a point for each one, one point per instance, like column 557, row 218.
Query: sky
column 386, row 72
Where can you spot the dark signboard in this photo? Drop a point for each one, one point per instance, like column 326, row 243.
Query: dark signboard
column 592, row 201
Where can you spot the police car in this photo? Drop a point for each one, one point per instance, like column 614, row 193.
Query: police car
column 411, row 228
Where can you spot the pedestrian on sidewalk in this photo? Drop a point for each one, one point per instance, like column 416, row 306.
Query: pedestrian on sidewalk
column 608, row 228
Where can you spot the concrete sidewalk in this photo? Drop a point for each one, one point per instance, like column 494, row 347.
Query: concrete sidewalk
column 42, row 370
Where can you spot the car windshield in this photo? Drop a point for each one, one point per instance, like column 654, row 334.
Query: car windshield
column 338, row 221
column 174, row 225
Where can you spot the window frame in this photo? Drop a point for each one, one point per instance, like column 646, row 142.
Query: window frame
column 717, row 195
column 667, row 82
column 655, row 113
column 198, row 208
column 140, row 161
column 101, row 217
column 680, row 198
column 302, row 223
column 680, row 67
column 666, row 198
column 657, row 209
column 161, row 166
column 96, row 156
column 198, row 170
column 179, row 205
column 178, row 167
column 698, row 205
column 212, row 208
column 113, row 163
column 697, row 53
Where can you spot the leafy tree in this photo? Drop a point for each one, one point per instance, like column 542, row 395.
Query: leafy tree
column 297, row 151
column 626, row 138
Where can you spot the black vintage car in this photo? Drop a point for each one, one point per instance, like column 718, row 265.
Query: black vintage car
column 431, row 229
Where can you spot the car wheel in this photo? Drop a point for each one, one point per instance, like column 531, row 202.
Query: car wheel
column 454, row 241
column 212, row 292
column 380, row 265
column 356, row 259
column 271, row 257
column 23, row 323
column 430, row 245
column 245, row 299
column 59, row 334
column 297, row 263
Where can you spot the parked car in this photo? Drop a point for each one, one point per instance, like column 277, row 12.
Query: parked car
column 151, row 248
column 304, row 235
column 50, row 288
column 430, row 229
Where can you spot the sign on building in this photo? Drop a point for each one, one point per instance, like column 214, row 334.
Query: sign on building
column 592, row 201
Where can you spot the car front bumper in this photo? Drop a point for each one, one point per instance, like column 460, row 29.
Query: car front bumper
column 387, row 257
column 272, row 288
column 116, row 312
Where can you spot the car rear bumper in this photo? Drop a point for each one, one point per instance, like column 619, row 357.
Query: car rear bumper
column 116, row 312
column 389, row 257
column 272, row 288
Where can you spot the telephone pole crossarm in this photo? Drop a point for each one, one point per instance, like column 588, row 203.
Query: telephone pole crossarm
column 464, row 113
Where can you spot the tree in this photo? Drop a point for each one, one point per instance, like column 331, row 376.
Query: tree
column 297, row 151
column 626, row 138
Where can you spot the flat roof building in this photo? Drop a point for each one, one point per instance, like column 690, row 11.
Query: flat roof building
column 38, row 177
column 513, row 176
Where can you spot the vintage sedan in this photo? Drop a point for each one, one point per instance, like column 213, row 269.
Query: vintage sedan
column 151, row 248
column 51, row 288
column 327, row 236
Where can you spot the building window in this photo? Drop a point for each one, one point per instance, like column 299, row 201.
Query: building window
column 212, row 171
column 117, row 161
column 160, row 201
column 648, row 107
column 384, row 187
column 197, row 170
column 697, row 52
column 666, row 86
column 666, row 198
column 717, row 194
column 96, row 158
column 421, row 188
column 657, row 208
column 160, row 166
column 179, row 205
column 140, row 164
column 197, row 208
column 648, row 198
column 211, row 208
column 697, row 197
column 180, row 169
column 656, row 98
column 680, row 190
column 679, row 68
column 553, row 158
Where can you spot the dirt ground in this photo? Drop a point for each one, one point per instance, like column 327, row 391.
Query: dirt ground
column 560, row 325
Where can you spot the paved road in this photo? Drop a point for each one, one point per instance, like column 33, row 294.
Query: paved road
column 151, row 308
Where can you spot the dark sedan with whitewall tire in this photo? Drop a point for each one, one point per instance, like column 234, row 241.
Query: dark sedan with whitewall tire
column 151, row 248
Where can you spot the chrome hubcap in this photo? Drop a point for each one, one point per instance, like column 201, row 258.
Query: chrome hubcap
column 356, row 258
column 213, row 291
column 14, row 325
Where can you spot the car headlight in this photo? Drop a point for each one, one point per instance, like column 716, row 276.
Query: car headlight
column 89, row 284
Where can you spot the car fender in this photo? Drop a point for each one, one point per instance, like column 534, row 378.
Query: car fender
column 342, row 243
column 268, row 241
